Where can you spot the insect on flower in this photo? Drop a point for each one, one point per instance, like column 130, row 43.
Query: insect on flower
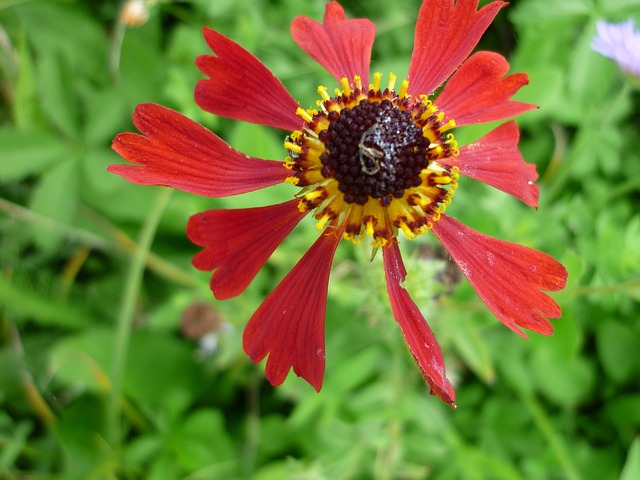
column 375, row 161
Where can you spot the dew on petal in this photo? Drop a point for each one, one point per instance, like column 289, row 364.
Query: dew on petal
column 464, row 268
column 491, row 259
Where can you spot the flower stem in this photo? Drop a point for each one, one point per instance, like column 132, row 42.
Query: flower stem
column 126, row 314
column 119, row 29
column 557, row 445
column 252, row 431
column 622, row 287
column 118, row 240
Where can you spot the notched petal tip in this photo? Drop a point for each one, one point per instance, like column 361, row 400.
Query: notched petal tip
column 333, row 13
column 241, row 87
column 445, row 34
column 239, row 242
column 509, row 278
column 496, row 160
column 480, row 92
column 289, row 325
column 341, row 46
column 175, row 151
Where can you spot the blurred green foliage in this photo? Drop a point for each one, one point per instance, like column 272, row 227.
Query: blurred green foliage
column 86, row 395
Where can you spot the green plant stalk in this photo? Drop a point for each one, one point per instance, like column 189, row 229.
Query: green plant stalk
column 119, row 30
column 252, row 442
column 545, row 425
column 126, row 314
column 622, row 287
column 119, row 241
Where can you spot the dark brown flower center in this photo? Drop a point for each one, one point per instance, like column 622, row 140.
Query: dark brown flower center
column 374, row 150
column 369, row 160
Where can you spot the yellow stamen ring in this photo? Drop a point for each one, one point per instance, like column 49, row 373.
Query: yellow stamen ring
column 356, row 159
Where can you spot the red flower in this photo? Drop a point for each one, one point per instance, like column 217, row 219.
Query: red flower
column 370, row 162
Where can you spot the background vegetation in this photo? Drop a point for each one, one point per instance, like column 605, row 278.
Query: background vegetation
column 87, row 394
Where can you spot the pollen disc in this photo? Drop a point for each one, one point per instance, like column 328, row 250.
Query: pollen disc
column 370, row 158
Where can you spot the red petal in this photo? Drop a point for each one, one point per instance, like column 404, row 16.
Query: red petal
column 477, row 92
column 289, row 325
column 238, row 242
column 496, row 161
column 180, row 153
column 341, row 46
column 241, row 87
column 419, row 337
column 445, row 35
column 508, row 277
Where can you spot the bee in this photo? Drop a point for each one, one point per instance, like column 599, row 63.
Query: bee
column 369, row 156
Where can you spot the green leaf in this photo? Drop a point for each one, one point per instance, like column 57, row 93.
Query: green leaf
column 472, row 347
column 566, row 384
column 84, row 360
column 59, row 96
column 100, row 186
column 26, row 105
column 623, row 413
column 558, row 369
column 589, row 75
column 542, row 12
column 16, row 444
column 25, row 302
column 575, row 265
column 171, row 358
column 511, row 364
column 204, row 428
column 12, row 3
column 79, row 38
column 619, row 8
column 618, row 346
column 275, row 470
column 257, row 141
column 163, row 468
column 108, row 114
column 56, row 198
column 275, row 435
column 117, row 199
column 11, row 370
column 631, row 470
column 27, row 153
column 566, row 341
column 544, row 89
column 143, row 68
column 76, row 434
column 354, row 371
column 142, row 450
